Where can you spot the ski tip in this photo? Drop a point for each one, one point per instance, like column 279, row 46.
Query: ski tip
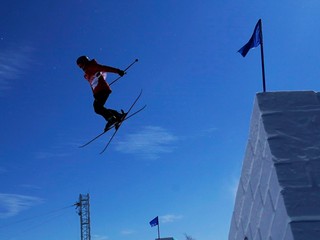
column 136, row 60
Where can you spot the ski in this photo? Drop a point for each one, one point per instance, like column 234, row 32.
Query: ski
column 126, row 118
column 118, row 125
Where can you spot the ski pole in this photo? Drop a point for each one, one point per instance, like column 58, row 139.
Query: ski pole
column 125, row 71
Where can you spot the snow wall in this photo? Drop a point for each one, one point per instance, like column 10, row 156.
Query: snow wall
column 278, row 196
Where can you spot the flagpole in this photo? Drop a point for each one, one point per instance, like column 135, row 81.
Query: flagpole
column 262, row 58
column 158, row 230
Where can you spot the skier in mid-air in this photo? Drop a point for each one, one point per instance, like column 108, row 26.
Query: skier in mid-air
column 96, row 74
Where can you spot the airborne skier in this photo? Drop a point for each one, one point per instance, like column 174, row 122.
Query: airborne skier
column 96, row 74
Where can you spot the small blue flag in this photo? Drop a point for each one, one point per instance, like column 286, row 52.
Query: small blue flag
column 254, row 41
column 154, row 222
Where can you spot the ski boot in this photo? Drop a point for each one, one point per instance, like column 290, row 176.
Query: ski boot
column 121, row 116
column 110, row 123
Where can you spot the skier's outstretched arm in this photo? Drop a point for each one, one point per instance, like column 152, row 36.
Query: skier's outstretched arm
column 104, row 68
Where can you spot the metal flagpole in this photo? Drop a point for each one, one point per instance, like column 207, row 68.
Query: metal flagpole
column 262, row 58
column 158, row 229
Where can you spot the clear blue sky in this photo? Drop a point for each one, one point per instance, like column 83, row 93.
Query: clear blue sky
column 181, row 158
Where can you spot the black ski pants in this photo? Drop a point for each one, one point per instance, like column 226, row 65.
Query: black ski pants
column 98, row 105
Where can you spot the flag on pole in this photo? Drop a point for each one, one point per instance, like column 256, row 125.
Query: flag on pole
column 154, row 222
column 254, row 41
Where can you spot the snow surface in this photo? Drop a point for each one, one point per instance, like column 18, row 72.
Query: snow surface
column 279, row 189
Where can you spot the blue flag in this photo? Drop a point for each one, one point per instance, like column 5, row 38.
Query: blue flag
column 254, row 41
column 154, row 222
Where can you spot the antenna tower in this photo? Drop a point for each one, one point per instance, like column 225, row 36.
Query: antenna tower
column 83, row 207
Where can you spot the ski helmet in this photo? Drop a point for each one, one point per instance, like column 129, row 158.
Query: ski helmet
column 82, row 60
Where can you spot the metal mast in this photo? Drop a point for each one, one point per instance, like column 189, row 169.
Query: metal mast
column 83, row 207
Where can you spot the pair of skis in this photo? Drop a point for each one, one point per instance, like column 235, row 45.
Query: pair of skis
column 117, row 125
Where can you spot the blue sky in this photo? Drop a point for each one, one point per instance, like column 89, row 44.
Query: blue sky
column 180, row 159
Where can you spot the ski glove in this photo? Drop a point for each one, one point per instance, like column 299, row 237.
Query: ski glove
column 121, row 72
